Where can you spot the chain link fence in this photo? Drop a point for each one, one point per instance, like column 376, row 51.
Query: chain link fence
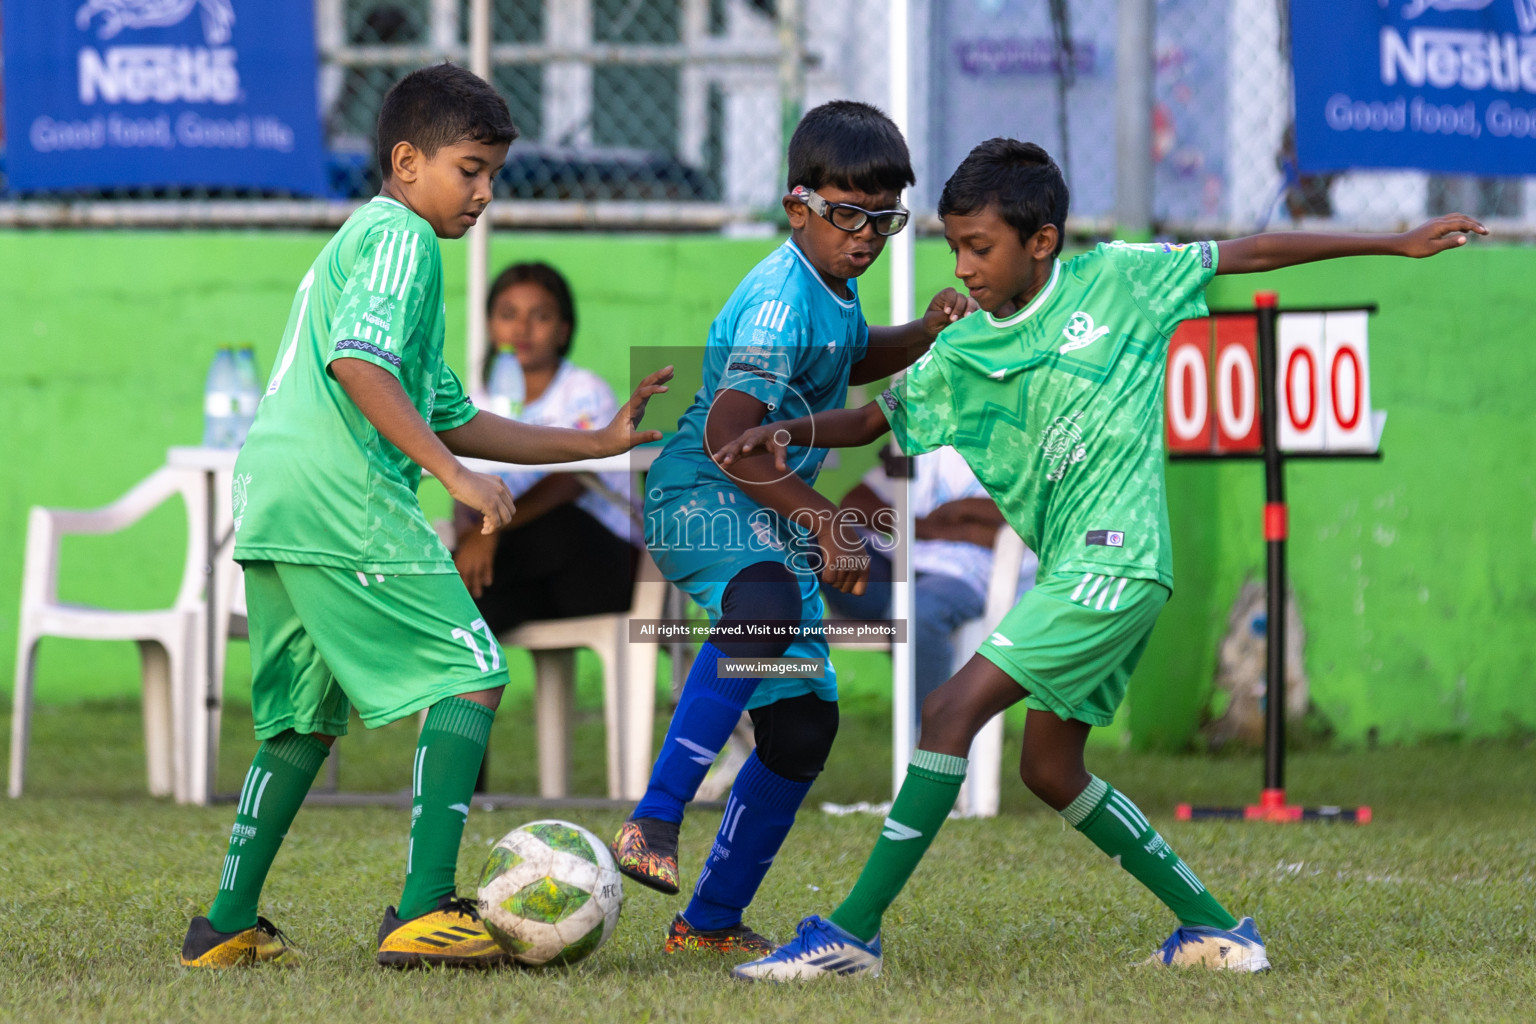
column 672, row 104
column 1223, row 149
column 671, row 113
column 616, row 99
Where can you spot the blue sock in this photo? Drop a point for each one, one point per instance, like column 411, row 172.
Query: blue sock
column 757, row 818
column 707, row 711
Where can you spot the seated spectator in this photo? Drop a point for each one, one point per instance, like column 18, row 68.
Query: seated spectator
column 955, row 525
column 569, row 549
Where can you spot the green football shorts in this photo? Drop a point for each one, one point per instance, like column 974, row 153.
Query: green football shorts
column 325, row 639
column 1074, row 640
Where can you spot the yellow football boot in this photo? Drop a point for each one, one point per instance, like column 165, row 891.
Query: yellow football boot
column 263, row 944
column 449, row 936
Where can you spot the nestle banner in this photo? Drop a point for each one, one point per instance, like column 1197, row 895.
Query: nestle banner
column 1435, row 85
column 110, row 93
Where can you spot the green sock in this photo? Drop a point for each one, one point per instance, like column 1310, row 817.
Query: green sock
column 1117, row 827
column 448, row 757
column 925, row 800
column 284, row 768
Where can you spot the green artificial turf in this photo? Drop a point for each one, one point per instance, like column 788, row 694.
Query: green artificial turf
column 1429, row 913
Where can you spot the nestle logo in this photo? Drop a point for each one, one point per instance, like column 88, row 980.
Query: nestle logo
column 163, row 74
column 112, row 16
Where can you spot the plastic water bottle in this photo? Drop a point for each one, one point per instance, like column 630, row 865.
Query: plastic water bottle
column 506, row 385
column 220, row 408
column 247, row 391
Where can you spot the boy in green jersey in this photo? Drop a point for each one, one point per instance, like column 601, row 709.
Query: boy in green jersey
column 353, row 600
column 1054, row 396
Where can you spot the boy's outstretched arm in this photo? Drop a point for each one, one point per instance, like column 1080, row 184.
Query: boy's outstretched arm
column 846, row 563
column 892, row 349
column 488, row 436
column 383, row 401
column 837, row 428
column 1272, row 251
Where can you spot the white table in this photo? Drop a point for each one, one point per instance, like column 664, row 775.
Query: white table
column 216, row 466
column 202, row 718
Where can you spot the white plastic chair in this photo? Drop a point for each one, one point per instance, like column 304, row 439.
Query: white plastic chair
column 629, row 687
column 171, row 640
column 979, row 795
column 982, row 789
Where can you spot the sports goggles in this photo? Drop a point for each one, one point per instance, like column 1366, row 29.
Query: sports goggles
column 850, row 218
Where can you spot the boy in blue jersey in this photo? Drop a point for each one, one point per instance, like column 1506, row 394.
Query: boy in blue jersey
column 749, row 546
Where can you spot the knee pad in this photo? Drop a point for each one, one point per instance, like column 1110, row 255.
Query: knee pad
column 794, row 736
column 763, row 593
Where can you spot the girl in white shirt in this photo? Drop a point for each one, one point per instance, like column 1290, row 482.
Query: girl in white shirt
column 568, row 549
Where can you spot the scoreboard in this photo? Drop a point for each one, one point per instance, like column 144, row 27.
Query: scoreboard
column 1273, row 384
column 1321, row 393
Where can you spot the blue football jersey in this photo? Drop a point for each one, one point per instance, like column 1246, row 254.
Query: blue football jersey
column 785, row 338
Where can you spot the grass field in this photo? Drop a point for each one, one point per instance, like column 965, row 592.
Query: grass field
column 1427, row 914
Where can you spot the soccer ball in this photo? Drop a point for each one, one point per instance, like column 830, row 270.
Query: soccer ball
column 550, row 893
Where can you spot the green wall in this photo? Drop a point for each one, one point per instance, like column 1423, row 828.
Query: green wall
column 106, row 337
column 1414, row 574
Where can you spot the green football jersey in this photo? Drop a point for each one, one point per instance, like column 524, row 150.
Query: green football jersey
column 1059, row 408
column 315, row 483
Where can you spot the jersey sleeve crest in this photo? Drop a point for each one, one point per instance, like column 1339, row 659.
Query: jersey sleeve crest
column 768, row 341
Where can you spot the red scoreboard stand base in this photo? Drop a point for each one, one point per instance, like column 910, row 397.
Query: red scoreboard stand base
column 1273, row 808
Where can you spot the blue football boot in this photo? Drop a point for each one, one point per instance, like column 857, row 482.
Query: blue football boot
column 1239, row 949
column 820, row 949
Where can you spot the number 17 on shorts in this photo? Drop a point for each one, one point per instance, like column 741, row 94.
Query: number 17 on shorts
column 489, row 660
column 391, row 645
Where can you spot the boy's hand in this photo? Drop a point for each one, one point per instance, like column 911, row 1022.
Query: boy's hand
column 620, row 435
column 845, row 565
column 945, row 308
column 484, row 493
column 1438, row 235
column 770, row 437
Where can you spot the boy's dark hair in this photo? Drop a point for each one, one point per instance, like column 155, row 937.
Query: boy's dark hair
column 439, row 106
column 546, row 277
column 1019, row 178
column 849, row 145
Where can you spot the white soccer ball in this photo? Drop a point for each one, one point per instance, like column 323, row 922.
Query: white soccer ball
column 550, row 893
